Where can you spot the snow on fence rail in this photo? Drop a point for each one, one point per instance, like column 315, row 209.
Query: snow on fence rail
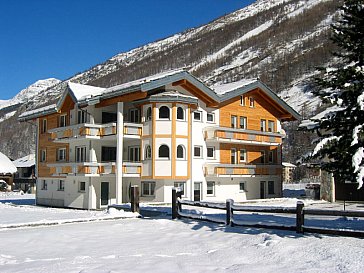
column 299, row 211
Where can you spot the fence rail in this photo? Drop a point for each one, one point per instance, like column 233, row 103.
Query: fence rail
column 300, row 211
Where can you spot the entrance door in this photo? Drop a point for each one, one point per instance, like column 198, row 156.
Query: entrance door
column 262, row 189
column 197, row 191
column 104, row 193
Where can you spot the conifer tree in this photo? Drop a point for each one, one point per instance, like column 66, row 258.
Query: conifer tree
column 341, row 133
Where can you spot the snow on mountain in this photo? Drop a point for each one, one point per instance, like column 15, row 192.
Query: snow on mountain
column 29, row 92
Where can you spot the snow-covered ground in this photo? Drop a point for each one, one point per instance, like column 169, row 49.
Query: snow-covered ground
column 164, row 245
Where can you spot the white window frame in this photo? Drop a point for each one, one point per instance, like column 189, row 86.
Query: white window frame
column 213, row 188
column 61, row 185
column 43, row 155
column 194, row 117
column 63, row 120
column 80, row 188
column 242, row 152
column 150, row 188
column 244, row 186
column 242, row 100
column 251, row 102
column 271, row 126
column 263, row 125
column 233, row 153
column 245, row 122
column 81, row 116
column 213, row 152
column 181, row 185
column 234, row 121
column 169, row 112
column 213, row 117
column 183, row 112
column 169, row 152
column 61, row 154
column 194, row 151
column 80, row 154
column 183, row 150
column 132, row 151
column 148, row 152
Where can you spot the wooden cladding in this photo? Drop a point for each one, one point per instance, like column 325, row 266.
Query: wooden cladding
column 247, row 136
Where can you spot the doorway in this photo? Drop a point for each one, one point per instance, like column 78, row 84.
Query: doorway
column 262, row 189
column 197, row 191
column 104, row 193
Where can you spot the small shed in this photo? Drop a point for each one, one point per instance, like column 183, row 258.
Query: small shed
column 7, row 169
column 25, row 177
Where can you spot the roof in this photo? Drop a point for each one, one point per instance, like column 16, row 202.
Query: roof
column 25, row 162
column 287, row 164
column 6, row 166
column 313, row 122
column 87, row 94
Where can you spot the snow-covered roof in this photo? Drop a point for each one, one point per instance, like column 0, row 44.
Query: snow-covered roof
column 49, row 109
column 312, row 122
column 287, row 164
column 25, row 162
column 6, row 166
column 228, row 87
column 83, row 91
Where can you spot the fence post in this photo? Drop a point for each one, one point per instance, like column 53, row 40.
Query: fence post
column 229, row 212
column 134, row 199
column 174, row 203
column 300, row 217
column 179, row 205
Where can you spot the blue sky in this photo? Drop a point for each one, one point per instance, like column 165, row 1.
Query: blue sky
column 57, row 38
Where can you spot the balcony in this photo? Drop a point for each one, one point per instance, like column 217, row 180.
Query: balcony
column 242, row 136
column 93, row 131
column 216, row 170
column 130, row 169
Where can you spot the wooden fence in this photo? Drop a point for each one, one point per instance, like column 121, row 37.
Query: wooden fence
column 300, row 211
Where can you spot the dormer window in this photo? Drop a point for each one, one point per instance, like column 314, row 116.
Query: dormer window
column 251, row 102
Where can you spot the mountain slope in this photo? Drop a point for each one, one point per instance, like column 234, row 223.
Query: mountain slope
column 279, row 41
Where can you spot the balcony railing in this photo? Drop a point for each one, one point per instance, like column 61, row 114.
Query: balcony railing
column 235, row 135
column 241, row 169
column 94, row 131
column 94, row 168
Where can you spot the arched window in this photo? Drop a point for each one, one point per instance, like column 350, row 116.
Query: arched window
column 148, row 152
column 149, row 114
column 163, row 151
column 180, row 152
column 164, row 112
column 180, row 113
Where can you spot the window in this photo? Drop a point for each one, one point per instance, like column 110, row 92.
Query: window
column 242, row 186
column 197, row 151
column 63, row 121
column 61, row 185
column 148, row 188
column 242, row 100
column 271, row 157
column 44, row 126
column 134, row 115
column 210, row 152
column 233, row 156
column 262, row 157
column 164, row 112
column 44, row 185
column 262, row 125
column 181, row 186
column 210, row 189
column 251, row 102
column 243, row 123
column 270, row 187
column 197, row 115
column 43, row 155
column 270, row 126
column 148, row 152
column 242, row 155
column 210, row 117
column 149, row 114
column 163, row 151
column 108, row 154
column 180, row 152
column 81, row 154
column 82, row 186
column 134, row 154
column 61, row 154
column 180, row 113
column 233, row 121
column 81, row 116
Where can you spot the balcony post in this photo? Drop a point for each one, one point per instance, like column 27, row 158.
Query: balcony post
column 119, row 152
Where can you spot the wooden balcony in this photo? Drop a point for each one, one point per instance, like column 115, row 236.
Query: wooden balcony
column 235, row 135
column 216, row 170
column 130, row 169
column 93, row 131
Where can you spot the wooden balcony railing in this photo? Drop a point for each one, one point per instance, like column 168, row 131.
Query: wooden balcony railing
column 241, row 169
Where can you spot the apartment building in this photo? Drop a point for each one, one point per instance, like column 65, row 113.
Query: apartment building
column 164, row 131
